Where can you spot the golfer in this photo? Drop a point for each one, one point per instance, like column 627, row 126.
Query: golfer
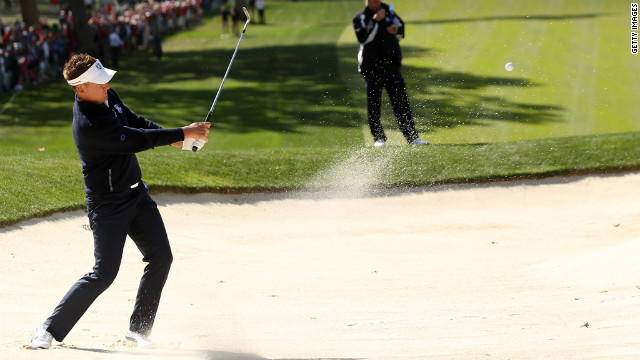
column 107, row 135
column 379, row 30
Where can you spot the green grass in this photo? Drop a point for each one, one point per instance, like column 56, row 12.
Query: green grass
column 573, row 69
column 46, row 182
column 293, row 106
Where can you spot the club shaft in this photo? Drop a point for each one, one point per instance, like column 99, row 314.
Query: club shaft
column 215, row 100
column 195, row 148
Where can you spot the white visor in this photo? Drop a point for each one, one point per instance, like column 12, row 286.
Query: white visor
column 96, row 74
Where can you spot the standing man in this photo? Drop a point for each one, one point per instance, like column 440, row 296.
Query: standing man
column 260, row 6
column 115, row 43
column 107, row 135
column 224, row 15
column 379, row 30
column 237, row 15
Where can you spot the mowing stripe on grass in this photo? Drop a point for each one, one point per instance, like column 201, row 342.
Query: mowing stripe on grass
column 9, row 102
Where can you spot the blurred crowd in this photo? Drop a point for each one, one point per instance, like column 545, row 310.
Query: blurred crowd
column 29, row 55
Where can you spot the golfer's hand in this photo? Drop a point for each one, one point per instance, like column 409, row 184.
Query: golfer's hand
column 192, row 144
column 393, row 29
column 198, row 131
column 380, row 15
column 197, row 145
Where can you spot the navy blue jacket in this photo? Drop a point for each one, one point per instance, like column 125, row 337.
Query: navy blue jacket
column 378, row 48
column 107, row 139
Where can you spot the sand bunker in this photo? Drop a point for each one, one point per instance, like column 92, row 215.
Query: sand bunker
column 529, row 270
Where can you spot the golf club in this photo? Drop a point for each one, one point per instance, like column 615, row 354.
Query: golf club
column 198, row 143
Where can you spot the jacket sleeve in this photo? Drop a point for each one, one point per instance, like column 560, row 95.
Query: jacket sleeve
column 398, row 21
column 155, row 134
column 106, row 134
column 365, row 28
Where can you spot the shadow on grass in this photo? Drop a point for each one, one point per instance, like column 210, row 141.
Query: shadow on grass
column 538, row 17
column 278, row 88
column 287, row 89
column 446, row 99
column 453, row 99
column 47, row 104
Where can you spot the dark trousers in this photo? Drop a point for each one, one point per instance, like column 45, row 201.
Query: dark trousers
column 112, row 218
column 261, row 15
column 115, row 56
column 389, row 78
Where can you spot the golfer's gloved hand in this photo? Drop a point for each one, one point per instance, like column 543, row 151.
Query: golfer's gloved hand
column 195, row 131
column 192, row 144
column 187, row 144
column 197, row 145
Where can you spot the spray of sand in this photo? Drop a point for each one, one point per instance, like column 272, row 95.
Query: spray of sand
column 358, row 175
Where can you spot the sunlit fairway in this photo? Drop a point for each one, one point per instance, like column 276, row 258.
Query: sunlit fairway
column 574, row 73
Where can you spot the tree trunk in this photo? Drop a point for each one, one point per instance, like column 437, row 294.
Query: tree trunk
column 84, row 32
column 30, row 14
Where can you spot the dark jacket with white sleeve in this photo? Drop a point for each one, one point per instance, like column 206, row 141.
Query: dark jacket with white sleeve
column 107, row 137
column 378, row 48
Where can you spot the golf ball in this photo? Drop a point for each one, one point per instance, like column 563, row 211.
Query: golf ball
column 508, row 66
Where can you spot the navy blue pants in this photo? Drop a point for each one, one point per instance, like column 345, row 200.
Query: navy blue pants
column 389, row 78
column 112, row 218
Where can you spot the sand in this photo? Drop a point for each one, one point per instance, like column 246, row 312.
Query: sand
column 544, row 269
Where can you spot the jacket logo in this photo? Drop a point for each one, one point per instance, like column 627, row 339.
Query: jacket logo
column 117, row 107
column 122, row 137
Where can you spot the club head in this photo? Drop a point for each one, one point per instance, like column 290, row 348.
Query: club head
column 246, row 13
